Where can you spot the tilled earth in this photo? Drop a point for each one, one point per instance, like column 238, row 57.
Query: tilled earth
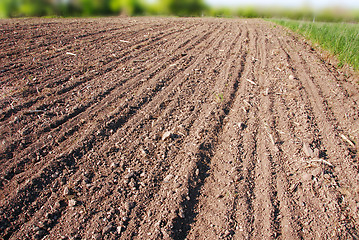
column 170, row 128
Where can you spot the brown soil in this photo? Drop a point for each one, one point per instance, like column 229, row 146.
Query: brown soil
column 169, row 128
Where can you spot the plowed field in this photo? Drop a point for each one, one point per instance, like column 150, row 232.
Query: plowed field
column 170, row 128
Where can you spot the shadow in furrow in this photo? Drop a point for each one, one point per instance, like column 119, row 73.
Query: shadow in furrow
column 206, row 151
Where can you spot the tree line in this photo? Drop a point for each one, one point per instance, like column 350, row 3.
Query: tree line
column 32, row 8
column 182, row 8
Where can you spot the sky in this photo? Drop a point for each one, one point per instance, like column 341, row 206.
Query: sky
column 286, row 3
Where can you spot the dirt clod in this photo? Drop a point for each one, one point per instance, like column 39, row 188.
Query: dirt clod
column 129, row 205
column 307, row 177
column 72, row 203
column 107, row 229
column 67, row 191
column 166, row 135
column 307, row 150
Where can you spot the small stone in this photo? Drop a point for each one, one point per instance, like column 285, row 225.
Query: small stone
column 119, row 229
column 132, row 183
column 156, row 137
column 307, row 150
column 107, row 229
column 130, row 205
column 42, row 224
column 293, row 187
column 291, row 77
column 326, row 176
column 67, row 191
column 197, row 172
column 317, row 171
column 168, row 178
column 241, row 126
column 57, row 204
column 316, row 153
column 219, row 196
column 166, row 135
column 307, row 177
column 114, row 165
column 143, row 152
column 25, row 131
column 165, row 233
column 72, row 203
column 181, row 213
column 131, row 174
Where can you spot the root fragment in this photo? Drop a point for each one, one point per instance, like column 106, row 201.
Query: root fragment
column 250, row 81
column 70, row 53
column 321, row 161
column 347, row 140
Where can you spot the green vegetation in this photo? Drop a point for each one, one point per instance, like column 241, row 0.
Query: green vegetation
column 219, row 97
column 304, row 13
column 181, row 8
column 340, row 39
column 31, row 8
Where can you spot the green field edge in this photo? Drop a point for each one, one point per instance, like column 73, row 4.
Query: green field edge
column 340, row 40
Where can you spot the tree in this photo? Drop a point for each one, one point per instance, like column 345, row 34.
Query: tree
column 95, row 7
column 130, row 7
column 7, row 8
column 184, row 7
column 19, row 8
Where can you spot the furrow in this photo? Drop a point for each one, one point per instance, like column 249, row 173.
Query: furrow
column 330, row 148
column 101, row 130
column 228, row 188
column 231, row 73
column 107, row 64
column 167, row 153
column 264, row 204
column 94, row 99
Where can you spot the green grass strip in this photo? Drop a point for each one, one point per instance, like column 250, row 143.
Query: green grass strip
column 340, row 39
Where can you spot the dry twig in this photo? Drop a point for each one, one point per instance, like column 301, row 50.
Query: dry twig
column 321, row 161
column 251, row 81
column 347, row 140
